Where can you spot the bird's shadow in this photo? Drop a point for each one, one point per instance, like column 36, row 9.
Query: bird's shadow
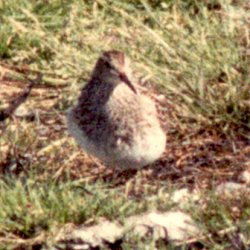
column 161, row 169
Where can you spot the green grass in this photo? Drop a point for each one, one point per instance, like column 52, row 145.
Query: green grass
column 32, row 207
column 196, row 53
column 192, row 52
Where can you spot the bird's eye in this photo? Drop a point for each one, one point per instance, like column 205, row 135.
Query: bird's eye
column 109, row 65
column 111, row 68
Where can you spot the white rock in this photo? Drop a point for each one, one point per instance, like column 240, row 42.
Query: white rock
column 179, row 225
column 181, row 195
column 175, row 226
column 231, row 189
column 87, row 237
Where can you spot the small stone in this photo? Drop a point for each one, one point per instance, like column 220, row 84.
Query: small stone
column 43, row 131
column 245, row 177
column 57, row 127
column 160, row 98
column 23, row 112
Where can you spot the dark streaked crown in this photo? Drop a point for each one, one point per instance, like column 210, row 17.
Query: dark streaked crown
column 114, row 57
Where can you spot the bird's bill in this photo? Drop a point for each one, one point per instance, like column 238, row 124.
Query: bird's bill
column 125, row 79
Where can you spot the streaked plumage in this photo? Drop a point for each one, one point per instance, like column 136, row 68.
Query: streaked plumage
column 112, row 120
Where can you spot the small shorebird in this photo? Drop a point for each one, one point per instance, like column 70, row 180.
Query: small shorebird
column 112, row 120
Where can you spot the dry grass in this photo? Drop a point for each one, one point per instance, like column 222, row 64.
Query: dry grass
column 195, row 54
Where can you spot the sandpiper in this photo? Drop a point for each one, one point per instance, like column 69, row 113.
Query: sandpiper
column 112, row 120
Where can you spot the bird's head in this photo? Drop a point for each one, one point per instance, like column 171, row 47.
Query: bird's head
column 113, row 67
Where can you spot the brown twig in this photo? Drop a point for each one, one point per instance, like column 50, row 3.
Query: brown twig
column 25, row 70
column 8, row 112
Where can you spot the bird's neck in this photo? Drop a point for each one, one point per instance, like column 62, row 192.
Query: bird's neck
column 97, row 91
